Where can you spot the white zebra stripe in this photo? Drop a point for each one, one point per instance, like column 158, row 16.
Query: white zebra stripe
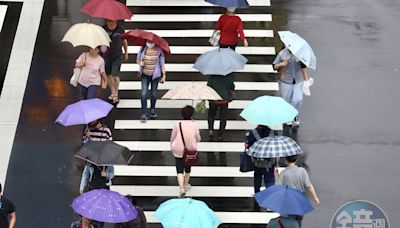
column 187, row 3
column 188, row 67
column 257, row 86
column 201, row 49
column 194, row 17
column 165, row 33
column 155, row 146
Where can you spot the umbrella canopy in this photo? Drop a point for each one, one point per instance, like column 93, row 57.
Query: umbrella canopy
column 87, row 34
column 269, row 110
column 299, row 48
column 105, row 153
column 274, row 147
column 186, row 212
column 192, row 91
column 108, row 9
column 230, row 3
column 104, row 206
column 84, row 112
column 220, row 61
column 139, row 37
column 284, row 200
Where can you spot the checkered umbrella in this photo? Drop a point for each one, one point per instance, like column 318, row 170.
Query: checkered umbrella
column 274, row 147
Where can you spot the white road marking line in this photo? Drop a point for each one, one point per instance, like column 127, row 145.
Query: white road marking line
column 201, row 49
column 187, row 3
column 136, row 103
column 230, row 217
column 3, row 12
column 170, row 171
column 193, row 33
column 156, row 146
column 194, row 17
column 16, row 77
column 188, row 67
column 255, row 86
column 195, row 191
column 169, row 124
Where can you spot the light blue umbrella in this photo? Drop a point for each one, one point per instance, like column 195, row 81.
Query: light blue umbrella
column 220, row 61
column 269, row 111
column 186, row 213
column 299, row 48
column 230, row 3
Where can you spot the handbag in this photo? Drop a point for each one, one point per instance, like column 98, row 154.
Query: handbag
column 215, row 37
column 190, row 157
column 76, row 75
column 246, row 163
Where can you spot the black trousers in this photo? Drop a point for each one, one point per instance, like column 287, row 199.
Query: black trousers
column 212, row 112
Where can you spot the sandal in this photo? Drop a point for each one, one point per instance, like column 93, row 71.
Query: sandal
column 187, row 187
column 115, row 100
column 182, row 193
column 111, row 97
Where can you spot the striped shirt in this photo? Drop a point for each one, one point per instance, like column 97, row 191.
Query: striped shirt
column 102, row 133
column 150, row 58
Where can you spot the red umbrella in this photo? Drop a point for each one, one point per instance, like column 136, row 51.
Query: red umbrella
column 108, row 9
column 139, row 37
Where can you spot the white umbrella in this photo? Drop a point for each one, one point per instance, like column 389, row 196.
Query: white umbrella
column 192, row 91
column 87, row 34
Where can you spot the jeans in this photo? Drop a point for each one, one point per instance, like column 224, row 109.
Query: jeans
column 231, row 46
column 293, row 94
column 269, row 178
column 89, row 92
column 212, row 112
column 146, row 80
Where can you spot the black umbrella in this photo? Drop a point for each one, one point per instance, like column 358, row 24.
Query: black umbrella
column 105, row 153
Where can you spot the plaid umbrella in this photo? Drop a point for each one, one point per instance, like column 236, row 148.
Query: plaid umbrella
column 274, row 147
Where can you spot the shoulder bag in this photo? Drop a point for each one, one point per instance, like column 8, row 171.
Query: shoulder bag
column 76, row 75
column 190, row 157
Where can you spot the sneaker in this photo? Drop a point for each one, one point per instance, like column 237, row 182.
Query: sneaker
column 221, row 138
column 210, row 133
column 153, row 114
column 143, row 118
column 296, row 121
column 290, row 123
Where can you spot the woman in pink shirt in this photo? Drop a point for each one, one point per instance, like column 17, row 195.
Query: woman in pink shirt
column 92, row 65
column 191, row 135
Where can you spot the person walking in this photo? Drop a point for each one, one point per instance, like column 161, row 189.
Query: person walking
column 8, row 216
column 260, row 173
column 188, row 130
column 97, row 132
column 139, row 222
column 231, row 28
column 113, row 57
column 297, row 177
column 293, row 74
column 224, row 86
column 152, row 71
column 93, row 73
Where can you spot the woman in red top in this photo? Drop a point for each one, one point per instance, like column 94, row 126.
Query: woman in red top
column 231, row 28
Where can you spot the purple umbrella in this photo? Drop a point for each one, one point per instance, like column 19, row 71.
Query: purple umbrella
column 104, row 206
column 84, row 112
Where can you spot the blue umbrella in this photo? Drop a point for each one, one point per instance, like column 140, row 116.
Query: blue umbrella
column 284, row 200
column 84, row 112
column 299, row 48
column 274, row 147
column 186, row 213
column 269, row 111
column 230, row 3
column 220, row 61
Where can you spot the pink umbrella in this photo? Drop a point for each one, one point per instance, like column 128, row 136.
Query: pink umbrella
column 108, row 9
column 139, row 37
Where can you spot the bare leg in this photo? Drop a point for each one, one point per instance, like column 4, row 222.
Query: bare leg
column 116, row 81
column 181, row 181
column 186, row 182
column 110, row 83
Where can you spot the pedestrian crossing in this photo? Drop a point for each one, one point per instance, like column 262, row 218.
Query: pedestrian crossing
column 217, row 179
column 3, row 11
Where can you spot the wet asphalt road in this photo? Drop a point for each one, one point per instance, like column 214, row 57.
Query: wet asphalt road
column 349, row 125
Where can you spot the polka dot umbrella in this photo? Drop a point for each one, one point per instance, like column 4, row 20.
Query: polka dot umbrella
column 104, row 206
